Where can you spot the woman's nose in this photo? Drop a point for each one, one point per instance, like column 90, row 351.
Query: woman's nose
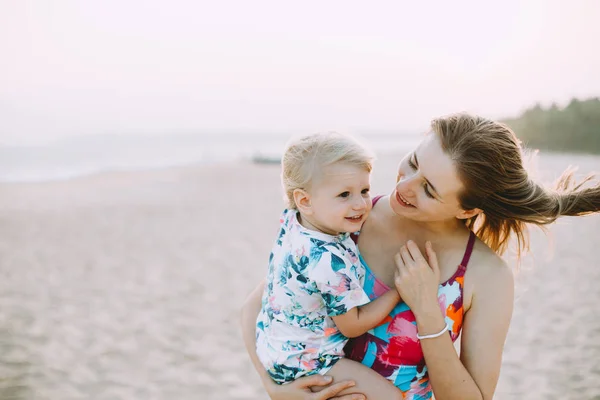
column 407, row 183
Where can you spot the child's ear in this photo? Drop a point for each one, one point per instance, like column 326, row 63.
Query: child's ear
column 466, row 214
column 302, row 200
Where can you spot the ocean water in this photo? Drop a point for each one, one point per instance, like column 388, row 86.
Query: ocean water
column 84, row 155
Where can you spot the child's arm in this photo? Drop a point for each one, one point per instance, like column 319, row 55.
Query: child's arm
column 359, row 320
column 337, row 278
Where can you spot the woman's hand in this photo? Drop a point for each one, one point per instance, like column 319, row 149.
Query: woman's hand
column 300, row 389
column 417, row 279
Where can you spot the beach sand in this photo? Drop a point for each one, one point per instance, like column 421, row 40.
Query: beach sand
column 128, row 286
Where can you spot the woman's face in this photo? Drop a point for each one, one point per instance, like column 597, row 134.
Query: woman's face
column 427, row 186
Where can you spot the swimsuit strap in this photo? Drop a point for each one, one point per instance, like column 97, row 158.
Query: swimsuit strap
column 465, row 261
column 376, row 199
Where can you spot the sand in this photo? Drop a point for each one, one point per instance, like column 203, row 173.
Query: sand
column 128, row 286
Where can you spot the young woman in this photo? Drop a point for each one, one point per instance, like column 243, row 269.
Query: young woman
column 464, row 189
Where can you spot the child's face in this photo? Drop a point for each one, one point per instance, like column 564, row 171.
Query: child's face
column 340, row 199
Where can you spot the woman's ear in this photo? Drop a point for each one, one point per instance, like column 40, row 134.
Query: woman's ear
column 466, row 214
column 302, row 200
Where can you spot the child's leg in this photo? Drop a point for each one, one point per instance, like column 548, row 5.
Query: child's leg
column 368, row 382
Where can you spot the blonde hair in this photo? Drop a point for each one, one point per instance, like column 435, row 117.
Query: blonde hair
column 305, row 156
column 488, row 158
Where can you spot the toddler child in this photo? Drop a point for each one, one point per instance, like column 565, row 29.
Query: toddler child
column 313, row 299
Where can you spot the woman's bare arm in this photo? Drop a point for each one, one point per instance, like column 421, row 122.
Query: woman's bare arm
column 475, row 374
column 485, row 327
column 250, row 311
column 299, row 389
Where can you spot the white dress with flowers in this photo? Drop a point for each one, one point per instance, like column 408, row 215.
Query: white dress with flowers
column 312, row 277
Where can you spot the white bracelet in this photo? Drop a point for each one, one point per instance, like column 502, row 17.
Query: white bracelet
column 433, row 335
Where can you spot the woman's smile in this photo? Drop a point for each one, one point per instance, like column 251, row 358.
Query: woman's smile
column 402, row 201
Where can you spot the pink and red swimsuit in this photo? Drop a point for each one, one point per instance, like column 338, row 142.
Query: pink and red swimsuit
column 392, row 348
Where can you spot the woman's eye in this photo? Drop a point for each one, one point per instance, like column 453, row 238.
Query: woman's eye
column 345, row 194
column 411, row 163
column 427, row 192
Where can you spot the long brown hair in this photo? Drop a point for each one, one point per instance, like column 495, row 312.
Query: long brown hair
column 489, row 160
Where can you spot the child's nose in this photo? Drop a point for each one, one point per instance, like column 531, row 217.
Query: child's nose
column 360, row 203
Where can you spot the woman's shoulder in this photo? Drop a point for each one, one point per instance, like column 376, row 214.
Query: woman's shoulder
column 381, row 211
column 382, row 222
column 485, row 257
column 488, row 272
column 379, row 202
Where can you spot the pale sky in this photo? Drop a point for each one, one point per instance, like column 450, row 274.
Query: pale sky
column 136, row 67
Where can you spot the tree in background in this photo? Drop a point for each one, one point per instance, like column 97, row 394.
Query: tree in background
column 573, row 128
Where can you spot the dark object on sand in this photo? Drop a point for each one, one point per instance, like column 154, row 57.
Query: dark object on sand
column 265, row 159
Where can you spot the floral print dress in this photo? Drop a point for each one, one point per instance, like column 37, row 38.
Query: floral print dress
column 312, row 277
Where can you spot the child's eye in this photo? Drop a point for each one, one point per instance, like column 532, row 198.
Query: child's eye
column 344, row 194
column 365, row 191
